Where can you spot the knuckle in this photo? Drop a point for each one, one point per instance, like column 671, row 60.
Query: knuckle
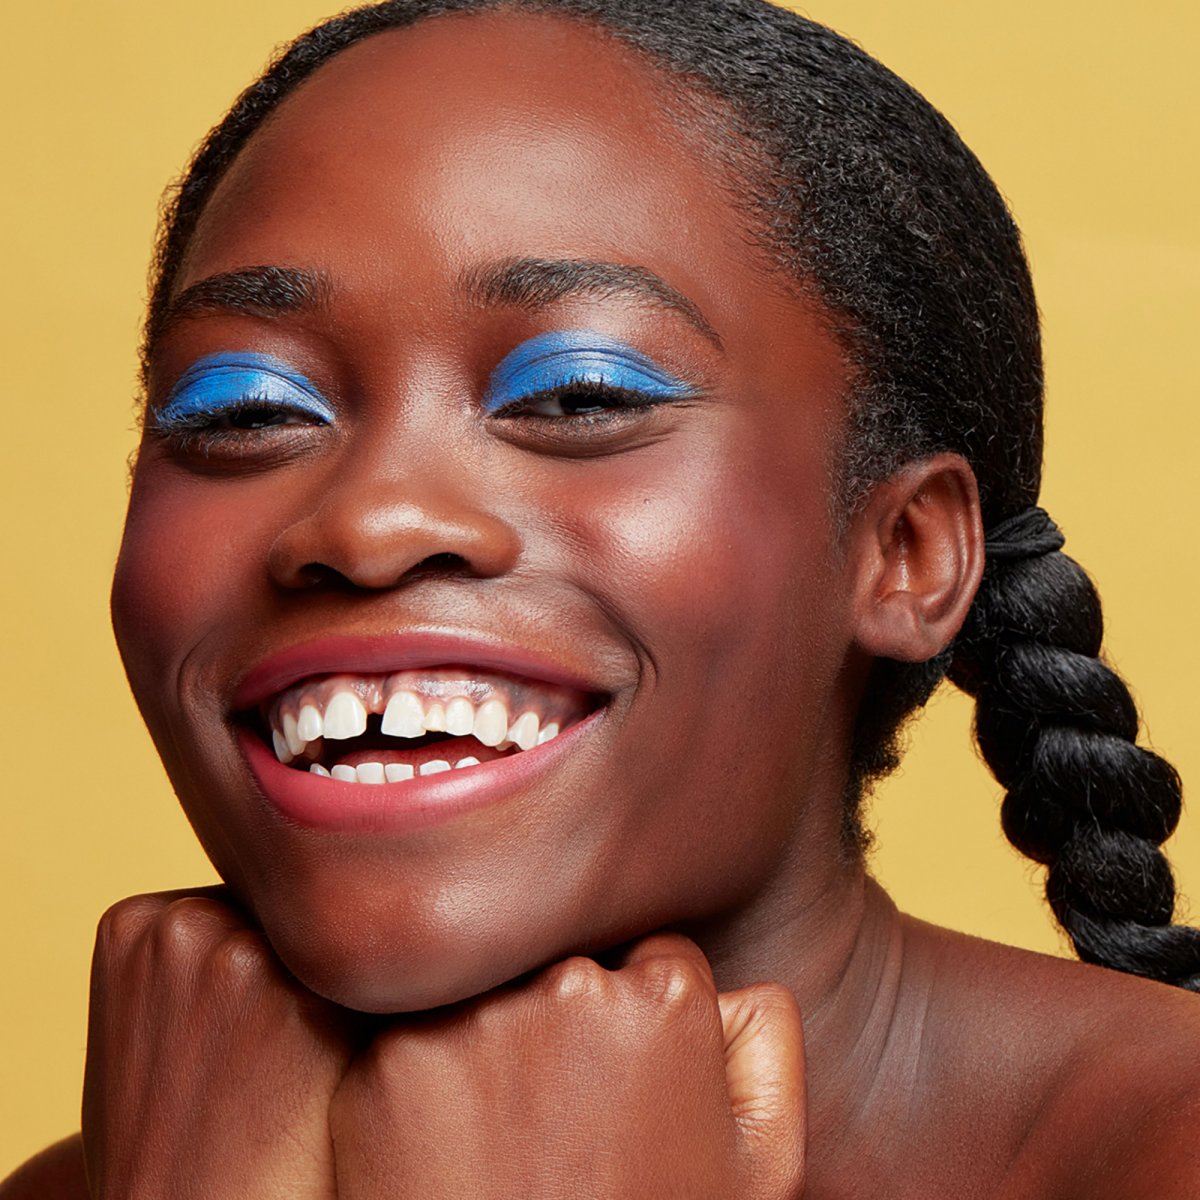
column 575, row 979
column 239, row 958
column 126, row 921
column 189, row 927
column 674, row 984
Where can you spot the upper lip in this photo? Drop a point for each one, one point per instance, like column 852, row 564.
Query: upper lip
column 367, row 655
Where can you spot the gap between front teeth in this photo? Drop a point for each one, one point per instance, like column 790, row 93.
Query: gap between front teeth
column 405, row 716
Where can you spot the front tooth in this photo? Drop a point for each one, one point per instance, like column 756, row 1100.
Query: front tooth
column 434, row 767
column 370, row 773
column 311, row 725
column 345, row 774
column 435, row 718
column 525, row 731
column 345, row 716
column 404, row 716
column 466, row 762
column 398, row 772
column 491, row 722
column 282, row 752
column 548, row 734
column 460, row 716
column 317, row 769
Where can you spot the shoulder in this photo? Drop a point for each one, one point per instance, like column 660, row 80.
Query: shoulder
column 1109, row 1065
column 57, row 1173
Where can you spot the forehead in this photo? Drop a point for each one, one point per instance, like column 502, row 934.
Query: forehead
column 476, row 137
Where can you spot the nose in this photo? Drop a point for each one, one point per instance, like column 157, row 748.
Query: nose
column 375, row 530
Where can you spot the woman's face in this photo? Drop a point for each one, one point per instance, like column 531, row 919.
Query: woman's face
column 515, row 417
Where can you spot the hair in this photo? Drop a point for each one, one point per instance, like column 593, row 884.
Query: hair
column 864, row 196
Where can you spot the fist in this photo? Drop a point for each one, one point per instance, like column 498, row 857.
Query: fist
column 583, row 1082
column 209, row 1069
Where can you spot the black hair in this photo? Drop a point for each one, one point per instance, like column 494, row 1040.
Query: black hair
column 865, row 196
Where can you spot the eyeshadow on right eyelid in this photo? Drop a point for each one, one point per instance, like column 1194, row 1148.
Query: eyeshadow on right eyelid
column 222, row 381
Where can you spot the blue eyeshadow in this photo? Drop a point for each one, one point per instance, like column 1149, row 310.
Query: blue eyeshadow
column 561, row 358
column 220, row 382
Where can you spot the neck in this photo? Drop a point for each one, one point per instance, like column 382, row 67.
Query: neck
column 841, row 952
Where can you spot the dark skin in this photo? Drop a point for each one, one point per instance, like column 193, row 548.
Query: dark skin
column 687, row 562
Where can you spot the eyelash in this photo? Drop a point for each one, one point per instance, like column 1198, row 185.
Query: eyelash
column 619, row 402
column 214, row 425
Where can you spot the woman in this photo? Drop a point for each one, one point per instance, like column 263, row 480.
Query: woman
column 645, row 381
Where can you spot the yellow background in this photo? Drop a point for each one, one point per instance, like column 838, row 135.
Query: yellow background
column 1083, row 111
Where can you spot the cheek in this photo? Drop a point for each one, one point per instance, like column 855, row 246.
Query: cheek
column 717, row 549
column 716, row 560
column 186, row 561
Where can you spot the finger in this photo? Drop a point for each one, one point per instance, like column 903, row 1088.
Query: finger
column 764, row 1068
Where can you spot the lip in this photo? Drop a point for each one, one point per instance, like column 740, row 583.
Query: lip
column 331, row 806
column 401, row 652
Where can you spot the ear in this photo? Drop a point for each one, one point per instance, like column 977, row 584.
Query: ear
column 916, row 556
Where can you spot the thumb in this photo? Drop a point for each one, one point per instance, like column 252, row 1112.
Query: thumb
column 764, row 1068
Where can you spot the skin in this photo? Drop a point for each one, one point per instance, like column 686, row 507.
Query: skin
column 688, row 563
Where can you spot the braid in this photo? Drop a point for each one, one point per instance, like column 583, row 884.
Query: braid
column 1057, row 727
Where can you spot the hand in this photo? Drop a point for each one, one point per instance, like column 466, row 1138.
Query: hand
column 583, row 1083
column 209, row 1069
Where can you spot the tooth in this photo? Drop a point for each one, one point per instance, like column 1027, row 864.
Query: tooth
column 404, row 716
column 345, row 774
column 435, row 718
column 433, row 768
column 313, row 750
column 460, row 716
column 370, row 772
column 466, row 762
column 491, row 722
column 548, row 734
column 345, row 716
column 317, row 769
column 295, row 743
column 310, row 726
column 281, row 747
column 398, row 772
column 525, row 731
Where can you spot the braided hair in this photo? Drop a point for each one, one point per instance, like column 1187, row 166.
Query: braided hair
column 864, row 196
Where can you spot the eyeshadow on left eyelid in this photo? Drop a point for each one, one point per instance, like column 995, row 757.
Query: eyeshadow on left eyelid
column 553, row 360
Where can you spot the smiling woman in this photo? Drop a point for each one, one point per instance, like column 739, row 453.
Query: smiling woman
column 577, row 435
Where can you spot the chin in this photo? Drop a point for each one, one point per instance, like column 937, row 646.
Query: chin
column 394, row 960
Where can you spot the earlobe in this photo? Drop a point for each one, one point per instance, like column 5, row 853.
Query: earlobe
column 916, row 553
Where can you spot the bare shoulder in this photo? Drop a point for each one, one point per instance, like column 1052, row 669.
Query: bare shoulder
column 57, row 1173
column 1109, row 1065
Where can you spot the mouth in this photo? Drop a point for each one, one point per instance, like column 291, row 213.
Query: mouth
column 376, row 729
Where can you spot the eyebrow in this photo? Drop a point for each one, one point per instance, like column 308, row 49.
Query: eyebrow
column 538, row 282
column 254, row 291
column 269, row 291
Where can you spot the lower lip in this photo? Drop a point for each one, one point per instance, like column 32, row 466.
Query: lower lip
column 333, row 806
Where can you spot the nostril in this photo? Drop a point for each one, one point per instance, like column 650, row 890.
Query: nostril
column 315, row 574
column 440, row 564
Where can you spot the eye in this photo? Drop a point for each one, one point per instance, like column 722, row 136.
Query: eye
column 579, row 374
column 228, row 394
column 576, row 398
